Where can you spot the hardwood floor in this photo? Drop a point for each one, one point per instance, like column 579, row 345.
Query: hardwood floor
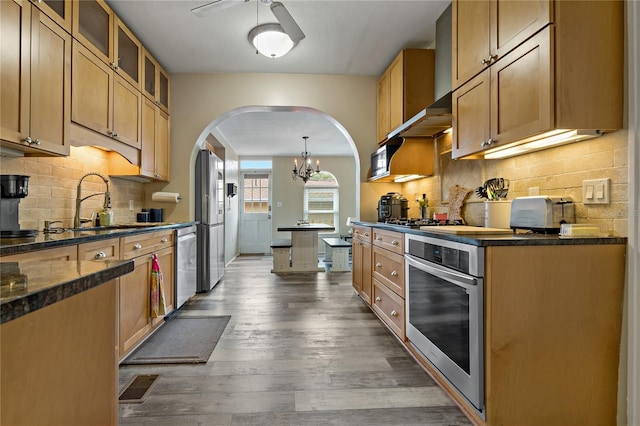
column 300, row 349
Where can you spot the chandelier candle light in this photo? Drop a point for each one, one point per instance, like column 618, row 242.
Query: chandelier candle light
column 304, row 171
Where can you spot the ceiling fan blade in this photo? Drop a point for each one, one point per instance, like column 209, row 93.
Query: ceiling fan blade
column 216, row 5
column 287, row 22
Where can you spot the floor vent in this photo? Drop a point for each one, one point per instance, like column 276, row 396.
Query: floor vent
column 137, row 389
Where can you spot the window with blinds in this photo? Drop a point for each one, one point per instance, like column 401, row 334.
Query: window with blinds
column 321, row 199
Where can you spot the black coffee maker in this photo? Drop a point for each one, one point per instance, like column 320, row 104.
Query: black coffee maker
column 12, row 189
column 392, row 205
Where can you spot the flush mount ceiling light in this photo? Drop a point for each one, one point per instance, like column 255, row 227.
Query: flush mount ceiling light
column 271, row 40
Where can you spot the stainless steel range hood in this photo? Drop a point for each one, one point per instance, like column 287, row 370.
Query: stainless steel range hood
column 436, row 118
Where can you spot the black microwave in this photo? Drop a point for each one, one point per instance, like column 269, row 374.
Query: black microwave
column 381, row 159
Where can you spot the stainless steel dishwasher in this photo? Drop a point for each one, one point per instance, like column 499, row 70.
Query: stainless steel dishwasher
column 186, row 264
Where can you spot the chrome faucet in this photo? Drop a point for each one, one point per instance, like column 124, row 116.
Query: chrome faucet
column 77, row 221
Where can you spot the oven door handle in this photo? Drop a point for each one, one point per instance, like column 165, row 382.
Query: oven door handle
column 453, row 277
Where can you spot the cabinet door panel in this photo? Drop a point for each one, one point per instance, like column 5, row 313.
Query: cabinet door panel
column 162, row 146
column 384, row 120
column 127, row 101
column 515, row 21
column 522, row 91
column 134, row 306
column 396, row 93
column 50, row 84
column 15, row 30
column 149, row 83
column 92, row 90
column 58, row 10
column 367, row 279
column 93, row 26
column 164, row 87
column 167, row 267
column 470, row 38
column 128, row 52
column 148, row 151
column 470, row 106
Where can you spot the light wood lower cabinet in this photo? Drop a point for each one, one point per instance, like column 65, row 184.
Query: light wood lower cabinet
column 66, row 353
column 58, row 253
column 361, row 252
column 135, row 322
column 389, row 307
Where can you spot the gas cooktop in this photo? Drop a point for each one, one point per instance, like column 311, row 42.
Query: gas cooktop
column 417, row 223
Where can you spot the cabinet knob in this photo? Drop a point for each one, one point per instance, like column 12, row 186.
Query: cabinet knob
column 137, row 246
column 100, row 255
column 378, row 265
column 395, row 242
column 28, row 140
column 378, row 299
column 366, row 234
column 489, row 60
column 164, row 239
column 394, row 313
column 379, row 238
column 394, row 273
column 114, row 135
column 36, row 142
column 356, row 232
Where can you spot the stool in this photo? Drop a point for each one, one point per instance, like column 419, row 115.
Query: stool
column 340, row 253
column 281, row 254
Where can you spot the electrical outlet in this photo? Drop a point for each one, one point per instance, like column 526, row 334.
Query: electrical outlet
column 596, row 191
column 534, row 190
column 131, row 206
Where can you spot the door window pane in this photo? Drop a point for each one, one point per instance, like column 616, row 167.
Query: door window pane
column 256, row 193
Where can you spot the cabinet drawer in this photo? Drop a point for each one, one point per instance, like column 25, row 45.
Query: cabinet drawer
column 59, row 253
column 388, row 268
column 137, row 245
column 362, row 233
column 100, row 250
column 389, row 307
column 393, row 241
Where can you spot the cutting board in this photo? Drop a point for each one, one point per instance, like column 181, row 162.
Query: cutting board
column 465, row 230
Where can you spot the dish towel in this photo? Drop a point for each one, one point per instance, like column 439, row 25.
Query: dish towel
column 158, row 307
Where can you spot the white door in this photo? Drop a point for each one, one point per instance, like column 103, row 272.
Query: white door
column 255, row 212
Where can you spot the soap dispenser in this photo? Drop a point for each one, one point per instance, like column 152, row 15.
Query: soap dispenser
column 106, row 214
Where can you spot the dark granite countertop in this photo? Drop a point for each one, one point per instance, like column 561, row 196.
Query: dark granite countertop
column 31, row 285
column 486, row 240
column 9, row 246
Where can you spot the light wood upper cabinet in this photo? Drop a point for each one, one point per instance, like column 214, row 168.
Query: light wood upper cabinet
column 154, row 152
column 550, row 82
column 58, row 10
column 484, row 31
column 405, row 88
column 35, row 81
column 97, row 27
column 103, row 101
column 155, row 81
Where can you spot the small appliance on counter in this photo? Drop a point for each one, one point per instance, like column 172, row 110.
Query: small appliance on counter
column 13, row 188
column 392, row 205
column 542, row 213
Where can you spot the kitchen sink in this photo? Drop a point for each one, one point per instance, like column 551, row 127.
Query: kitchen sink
column 114, row 227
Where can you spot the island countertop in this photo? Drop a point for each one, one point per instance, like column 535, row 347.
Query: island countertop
column 31, row 285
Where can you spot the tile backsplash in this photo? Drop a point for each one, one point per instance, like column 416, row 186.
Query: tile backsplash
column 53, row 183
column 555, row 171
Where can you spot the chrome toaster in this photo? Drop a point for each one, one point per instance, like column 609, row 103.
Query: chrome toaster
column 542, row 213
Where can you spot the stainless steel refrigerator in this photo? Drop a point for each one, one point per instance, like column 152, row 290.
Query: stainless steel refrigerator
column 210, row 215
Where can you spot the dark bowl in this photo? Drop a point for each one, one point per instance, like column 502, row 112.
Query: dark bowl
column 14, row 186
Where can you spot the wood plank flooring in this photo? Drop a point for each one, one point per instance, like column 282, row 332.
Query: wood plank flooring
column 300, row 349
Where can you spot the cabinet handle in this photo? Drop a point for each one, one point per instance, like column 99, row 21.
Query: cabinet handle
column 378, row 299
column 100, row 255
column 164, row 239
column 137, row 246
column 486, row 143
column 366, row 234
column 378, row 265
column 395, row 242
column 489, row 60
column 394, row 313
column 394, row 273
column 31, row 141
column 378, row 238
column 114, row 135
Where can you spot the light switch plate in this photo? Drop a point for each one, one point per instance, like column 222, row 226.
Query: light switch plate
column 596, row 191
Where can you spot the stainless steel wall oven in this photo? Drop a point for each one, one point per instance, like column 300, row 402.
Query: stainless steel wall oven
column 445, row 315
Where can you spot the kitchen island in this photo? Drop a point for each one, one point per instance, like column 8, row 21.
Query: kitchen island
column 304, row 246
column 550, row 316
column 59, row 336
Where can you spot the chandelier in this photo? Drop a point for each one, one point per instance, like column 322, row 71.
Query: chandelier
column 304, row 170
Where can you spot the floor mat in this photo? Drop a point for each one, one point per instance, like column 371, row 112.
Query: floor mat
column 181, row 340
